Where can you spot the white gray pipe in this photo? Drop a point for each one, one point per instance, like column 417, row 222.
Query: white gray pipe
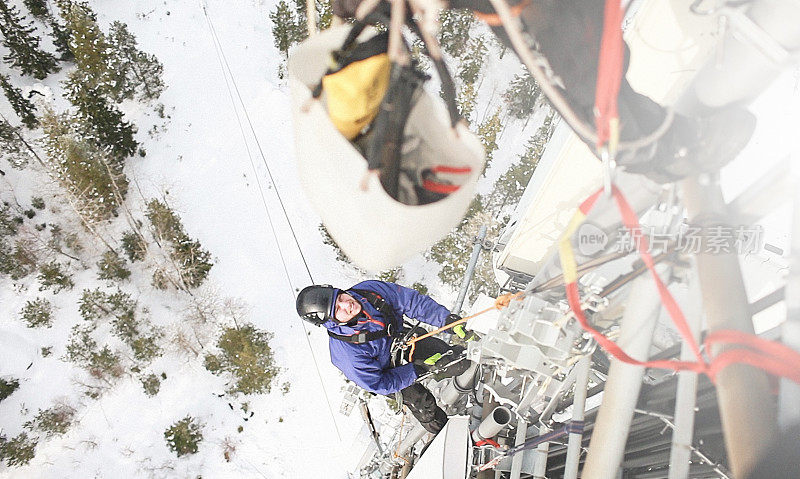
column 493, row 424
column 457, row 387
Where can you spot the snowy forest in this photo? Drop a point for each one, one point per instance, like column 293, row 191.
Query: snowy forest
column 147, row 326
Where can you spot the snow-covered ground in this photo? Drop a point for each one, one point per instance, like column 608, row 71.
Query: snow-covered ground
column 215, row 164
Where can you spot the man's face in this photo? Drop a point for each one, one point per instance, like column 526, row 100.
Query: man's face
column 347, row 307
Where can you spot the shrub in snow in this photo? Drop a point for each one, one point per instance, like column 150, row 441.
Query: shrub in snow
column 105, row 364
column 54, row 421
column 17, row 451
column 54, row 275
column 60, row 241
column 8, row 225
column 12, row 146
column 421, row 288
column 7, row 387
column 82, row 349
column 246, row 355
column 391, row 275
column 184, row 436
column 38, row 312
column 97, row 304
column 37, row 202
column 112, row 267
column 191, row 262
column 151, row 384
column 17, row 259
column 133, row 246
column 146, row 348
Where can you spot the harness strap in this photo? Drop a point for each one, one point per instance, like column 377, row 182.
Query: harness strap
column 389, row 330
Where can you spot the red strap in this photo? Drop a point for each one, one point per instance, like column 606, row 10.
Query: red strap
column 770, row 356
column 441, row 188
column 487, row 441
column 456, row 170
column 609, row 70
column 372, row 320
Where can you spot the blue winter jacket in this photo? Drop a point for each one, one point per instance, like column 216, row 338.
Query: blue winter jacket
column 369, row 364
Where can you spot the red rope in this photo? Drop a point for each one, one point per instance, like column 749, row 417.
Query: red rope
column 609, row 71
column 770, row 356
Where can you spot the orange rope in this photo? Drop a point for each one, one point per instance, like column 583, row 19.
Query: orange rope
column 501, row 302
column 493, row 19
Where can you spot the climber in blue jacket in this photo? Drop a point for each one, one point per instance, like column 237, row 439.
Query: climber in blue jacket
column 364, row 321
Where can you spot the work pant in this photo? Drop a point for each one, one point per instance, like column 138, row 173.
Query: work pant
column 417, row 397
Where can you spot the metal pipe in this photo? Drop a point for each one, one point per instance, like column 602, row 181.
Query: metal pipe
column 746, row 67
column 578, row 409
column 686, row 395
column 607, row 445
column 540, row 463
column 473, row 261
column 413, row 437
column 492, row 424
column 789, row 399
column 459, row 386
column 746, row 406
column 516, row 459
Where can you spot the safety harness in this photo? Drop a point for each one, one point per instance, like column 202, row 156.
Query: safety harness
column 390, row 328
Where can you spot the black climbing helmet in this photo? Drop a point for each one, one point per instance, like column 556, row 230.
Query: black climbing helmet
column 315, row 303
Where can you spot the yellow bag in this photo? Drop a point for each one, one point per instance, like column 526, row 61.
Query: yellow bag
column 355, row 90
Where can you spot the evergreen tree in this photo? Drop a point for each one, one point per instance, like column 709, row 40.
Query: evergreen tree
column 522, row 96
column 132, row 68
column 91, row 177
column 89, row 46
column 466, row 100
column 60, row 35
column 473, row 60
column 454, row 31
column 487, row 133
column 11, row 147
column 38, row 8
column 454, row 250
column 23, row 45
column 21, row 105
column 103, row 123
column 508, row 189
column 288, row 27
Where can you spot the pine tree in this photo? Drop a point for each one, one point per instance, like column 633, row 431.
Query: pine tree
column 288, row 27
column 21, row 105
column 89, row 46
column 38, row 8
column 23, row 45
column 454, row 31
column 466, row 99
column 473, row 60
column 454, row 250
column 487, row 133
column 508, row 189
column 103, row 123
column 93, row 180
column 132, row 68
column 60, row 35
column 522, row 96
column 13, row 147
